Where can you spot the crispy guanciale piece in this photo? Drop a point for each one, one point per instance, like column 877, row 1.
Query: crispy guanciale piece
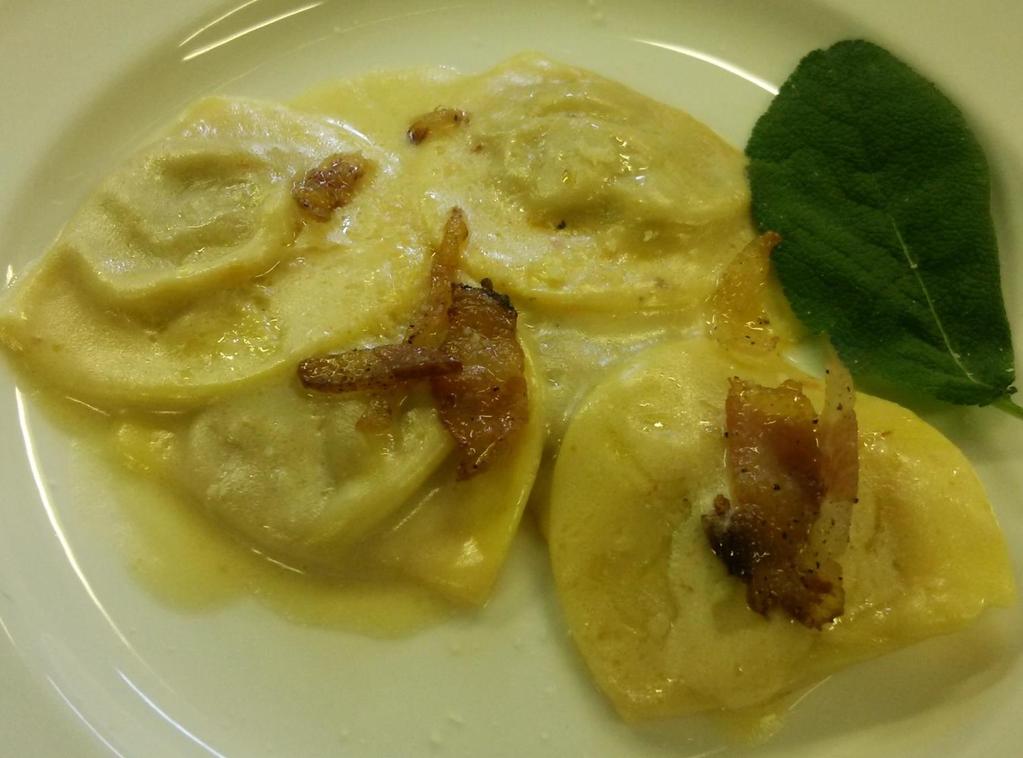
column 418, row 357
column 738, row 317
column 793, row 479
column 431, row 323
column 464, row 342
column 485, row 404
column 838, row 435
column 380, row 367
column 439, row 119
column 330, row 185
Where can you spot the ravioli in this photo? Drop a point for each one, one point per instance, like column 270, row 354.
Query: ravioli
column 290, row 473
column 582, row 193
column 293, row 475
column 208, row 202
column 189, row 270
column 663, row 628
column 586, row 194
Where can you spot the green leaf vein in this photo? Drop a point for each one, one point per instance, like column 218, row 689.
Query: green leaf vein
column 914, row 267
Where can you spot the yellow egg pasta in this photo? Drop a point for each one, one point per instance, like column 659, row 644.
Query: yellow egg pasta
column 663, row 628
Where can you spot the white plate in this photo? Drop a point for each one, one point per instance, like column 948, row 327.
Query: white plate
column 92, row 664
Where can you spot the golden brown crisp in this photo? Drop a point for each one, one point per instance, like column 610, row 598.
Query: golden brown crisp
column 418, row 357
column 838, row 434
column 793, row 480
column 380, row 367
column 485, row 404
column 464, row 341
column 330, row 185
column 738, row 316
column 431, row 323
column 437, row 120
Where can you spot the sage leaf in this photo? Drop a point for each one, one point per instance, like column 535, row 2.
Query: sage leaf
column 881, row 194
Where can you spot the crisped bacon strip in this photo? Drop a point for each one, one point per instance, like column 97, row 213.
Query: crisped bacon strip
column 418, row 357
column 792, row 490
column 840, row 466
column 431, row 323
column 738, row 318
column 463, row 341
column 439, row 119
column 330, row 185
column 485, row 404
column 387, row 366
column 378, row 367
column 838, row 434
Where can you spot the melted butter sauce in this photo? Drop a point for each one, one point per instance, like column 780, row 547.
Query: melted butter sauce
column 190, row 563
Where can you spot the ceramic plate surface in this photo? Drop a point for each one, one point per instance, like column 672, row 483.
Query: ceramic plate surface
column 93, row 664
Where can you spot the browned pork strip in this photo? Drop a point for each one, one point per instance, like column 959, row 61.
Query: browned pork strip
column 380, row 367
column 437, row 120
column 464, row 341
column 418, row 357
column 330, row 185
column 840, row 467
column 485, row 404
column 431, row 322
column 793, row 480
column 738, row 317
column 839, row 434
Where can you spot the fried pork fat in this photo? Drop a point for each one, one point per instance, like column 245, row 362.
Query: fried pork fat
column 484, row 404
column 388, row 366
column 437, row 120
column 375, row 368
column 464, row 341
column 431, row 324
column 793, row 480
column 330, row 185
column 738, row 317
